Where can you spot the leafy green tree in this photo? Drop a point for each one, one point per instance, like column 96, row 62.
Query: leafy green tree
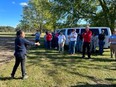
column 106, row 16
column 52, row 14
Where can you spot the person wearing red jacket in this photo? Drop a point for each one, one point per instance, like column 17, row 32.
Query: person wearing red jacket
column 49, row 39
column 86, row 42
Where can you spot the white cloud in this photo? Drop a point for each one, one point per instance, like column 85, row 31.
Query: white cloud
column 23, row 4
column 13, row 2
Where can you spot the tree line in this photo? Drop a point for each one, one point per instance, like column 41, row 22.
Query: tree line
column 7, row 29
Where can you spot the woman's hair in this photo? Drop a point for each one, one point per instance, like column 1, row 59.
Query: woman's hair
column 19, row 32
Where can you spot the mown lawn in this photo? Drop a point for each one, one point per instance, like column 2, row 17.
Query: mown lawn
column 48, row 68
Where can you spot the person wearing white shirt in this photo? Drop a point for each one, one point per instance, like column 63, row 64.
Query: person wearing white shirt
column 73, row 39
column 112, row 41
column 61, row 41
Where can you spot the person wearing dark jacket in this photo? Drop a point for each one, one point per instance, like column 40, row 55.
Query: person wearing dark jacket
column 101, row 38
column 20, row 52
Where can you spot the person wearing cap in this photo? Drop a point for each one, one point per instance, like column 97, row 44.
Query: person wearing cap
column 20, row 52
column 101, row 38
column 73, row 39
column 112, row 41
column 86, row 42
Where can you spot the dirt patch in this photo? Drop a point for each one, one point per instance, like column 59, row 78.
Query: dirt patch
column 6, row 49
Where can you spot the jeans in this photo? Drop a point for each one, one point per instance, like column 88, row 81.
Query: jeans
column 72, row 47
column 45, row 44
column 17, row 62
column 79, row 46
column 101, row 45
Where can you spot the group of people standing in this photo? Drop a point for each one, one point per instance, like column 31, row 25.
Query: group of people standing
column 77, row 42
column 86, row 41
column 52, row 40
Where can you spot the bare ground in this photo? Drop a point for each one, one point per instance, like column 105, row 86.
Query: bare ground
column 6, row 49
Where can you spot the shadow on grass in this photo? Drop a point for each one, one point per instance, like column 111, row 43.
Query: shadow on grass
column 9, row 78
column 103, row 59
column 56, row 55
column 95, row 85
column 111, row 79
column 96, row 80
column 59, row 59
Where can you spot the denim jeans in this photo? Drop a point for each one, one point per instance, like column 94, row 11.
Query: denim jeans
column 79, row 46
column 45, row 44
column 72, row 47
column 101, row 45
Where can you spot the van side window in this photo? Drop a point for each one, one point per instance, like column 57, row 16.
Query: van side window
column 82, row 30
column 69, row 31
column 105, row 31
column 77, row 31
column 63, row 31
column 95, row 31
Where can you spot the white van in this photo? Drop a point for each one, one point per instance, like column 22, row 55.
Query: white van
column 57, row 31
column 96, row 30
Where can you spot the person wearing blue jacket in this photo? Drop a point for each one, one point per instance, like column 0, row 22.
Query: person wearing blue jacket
column 20, row 52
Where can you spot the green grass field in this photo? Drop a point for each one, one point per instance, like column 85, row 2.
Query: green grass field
column 48, row 68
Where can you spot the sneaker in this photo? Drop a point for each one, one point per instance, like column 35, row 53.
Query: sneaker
column 12, row 77
column 25, row 77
